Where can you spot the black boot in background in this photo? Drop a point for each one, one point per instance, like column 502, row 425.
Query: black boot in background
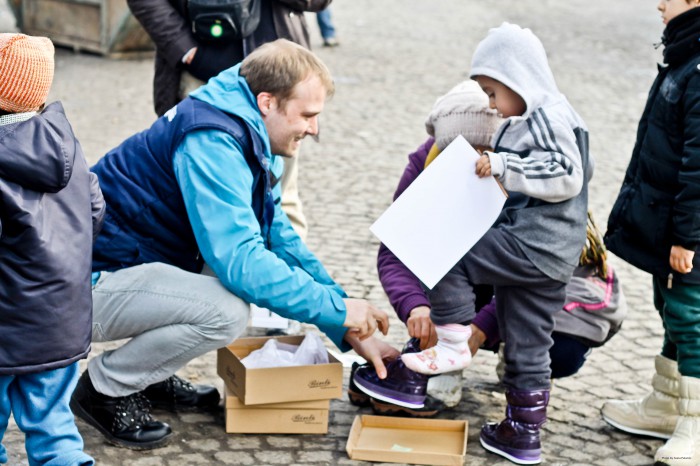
column 175, row 394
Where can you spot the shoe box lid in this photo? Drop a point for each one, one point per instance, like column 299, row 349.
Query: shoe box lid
column 408, row 440
column 277, row 384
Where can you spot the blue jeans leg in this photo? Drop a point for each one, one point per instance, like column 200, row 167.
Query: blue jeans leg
column 40, row 406
column 325, row 23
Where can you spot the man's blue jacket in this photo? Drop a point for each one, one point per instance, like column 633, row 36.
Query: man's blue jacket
column 196, row 187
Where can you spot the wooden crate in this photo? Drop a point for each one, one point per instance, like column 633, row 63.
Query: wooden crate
column 106, row 27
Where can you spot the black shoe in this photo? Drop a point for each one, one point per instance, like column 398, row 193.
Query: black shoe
column 125, row 421
column 175, row 394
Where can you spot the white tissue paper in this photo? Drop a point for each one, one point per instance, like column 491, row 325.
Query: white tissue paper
column 276, row 354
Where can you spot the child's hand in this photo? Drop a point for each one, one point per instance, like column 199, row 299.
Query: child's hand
column 483, row 166
column 420, row 326
column 681, row 259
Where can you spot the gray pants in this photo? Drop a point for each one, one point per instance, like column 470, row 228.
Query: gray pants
column 526, row 301
column 170, row 317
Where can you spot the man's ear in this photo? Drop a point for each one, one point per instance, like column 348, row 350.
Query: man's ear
column 266, row 103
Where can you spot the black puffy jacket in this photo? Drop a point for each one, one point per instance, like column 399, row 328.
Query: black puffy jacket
column 51, row 208
column 659, row 203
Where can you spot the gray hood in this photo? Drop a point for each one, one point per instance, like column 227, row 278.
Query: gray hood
column 39, row 153
column 516, row 57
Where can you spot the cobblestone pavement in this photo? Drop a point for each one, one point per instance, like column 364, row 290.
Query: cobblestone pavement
column 396, row 57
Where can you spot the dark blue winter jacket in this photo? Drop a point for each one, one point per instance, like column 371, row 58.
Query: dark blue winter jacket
column 50, row 209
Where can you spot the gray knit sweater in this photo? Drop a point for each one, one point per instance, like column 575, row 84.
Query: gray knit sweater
column 541, row 157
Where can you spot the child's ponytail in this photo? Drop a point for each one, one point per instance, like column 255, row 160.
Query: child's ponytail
column 594, row 253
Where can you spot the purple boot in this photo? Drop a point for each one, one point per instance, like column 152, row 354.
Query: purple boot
column 517, row 437
column 402, row 386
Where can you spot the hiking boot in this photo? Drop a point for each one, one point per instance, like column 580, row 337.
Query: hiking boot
column 124, row 421
column 175, row 394
column 517, row 437
column 401, row 386
column 656, row 414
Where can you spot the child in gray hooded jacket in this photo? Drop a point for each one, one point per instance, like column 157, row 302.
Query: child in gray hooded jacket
column 541, row 158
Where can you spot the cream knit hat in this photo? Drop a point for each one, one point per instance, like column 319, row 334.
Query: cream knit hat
column 26, row 72
column 464, row 110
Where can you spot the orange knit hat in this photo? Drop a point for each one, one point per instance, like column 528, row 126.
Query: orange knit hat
column 26, row 72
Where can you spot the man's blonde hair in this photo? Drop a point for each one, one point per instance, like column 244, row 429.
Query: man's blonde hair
column 276, row 67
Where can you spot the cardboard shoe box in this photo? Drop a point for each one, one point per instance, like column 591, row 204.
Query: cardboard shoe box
column 408, row 440
column 294, row 417
column 277, row 384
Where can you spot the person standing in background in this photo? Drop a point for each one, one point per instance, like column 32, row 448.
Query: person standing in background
column 185, row 60
column 325, row 24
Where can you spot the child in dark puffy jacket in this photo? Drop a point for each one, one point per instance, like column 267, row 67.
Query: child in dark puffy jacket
column 655, row 226
column 51, row 208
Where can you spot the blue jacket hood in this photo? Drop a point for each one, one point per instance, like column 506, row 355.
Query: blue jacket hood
column 229, row 92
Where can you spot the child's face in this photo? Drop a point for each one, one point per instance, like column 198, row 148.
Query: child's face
column 671, row 8
column 502, row 98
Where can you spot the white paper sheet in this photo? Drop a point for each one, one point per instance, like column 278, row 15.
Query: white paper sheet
column 442, row 214
column 262, row 317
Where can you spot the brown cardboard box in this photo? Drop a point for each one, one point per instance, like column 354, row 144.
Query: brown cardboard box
column 294, row 417
column 277, row 384
column 408, row 440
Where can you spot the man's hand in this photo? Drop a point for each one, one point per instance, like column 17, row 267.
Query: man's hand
column 189, row 56
column 375, row 351
column 362, row 318
column 681, row 259
column 420, row 326
column 483, row 166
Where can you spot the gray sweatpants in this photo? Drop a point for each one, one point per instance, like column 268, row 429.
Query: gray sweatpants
column 526, row 301
column 169, row 317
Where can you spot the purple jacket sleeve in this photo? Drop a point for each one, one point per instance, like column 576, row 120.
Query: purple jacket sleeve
column 404, row 290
